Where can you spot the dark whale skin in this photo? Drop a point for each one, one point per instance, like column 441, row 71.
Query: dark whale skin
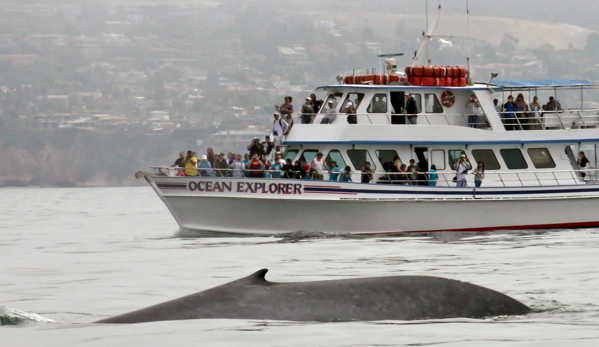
column 354, row 299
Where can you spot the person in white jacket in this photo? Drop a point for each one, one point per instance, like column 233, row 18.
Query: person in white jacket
column 461, row 167
column 279, row 128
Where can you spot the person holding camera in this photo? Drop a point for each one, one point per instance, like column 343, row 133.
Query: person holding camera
column 255, row 147
column 462, row 166
column 473, row 106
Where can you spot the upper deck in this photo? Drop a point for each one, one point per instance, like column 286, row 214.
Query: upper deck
column 444, row 114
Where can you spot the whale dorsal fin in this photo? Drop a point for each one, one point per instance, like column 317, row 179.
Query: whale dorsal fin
column 258, row 276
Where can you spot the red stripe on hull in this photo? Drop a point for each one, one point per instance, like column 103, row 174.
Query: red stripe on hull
column 512, row 227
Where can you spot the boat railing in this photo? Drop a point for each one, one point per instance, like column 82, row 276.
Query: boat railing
column 550, row 120
column 529, row 178
column 517, row 120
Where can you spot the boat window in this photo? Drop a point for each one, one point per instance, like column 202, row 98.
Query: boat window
column 453, row 155
column 290, row 154
column 335, row 97
column 418, row 99
column 358, row 157
column 307, row 156
column 432, row 104
column 487, row 156
column 355, row 98
column 541, row 158
column 438, row 159
column 378, row 104
column 386, row 156
column 336, row 156
column 513, row 158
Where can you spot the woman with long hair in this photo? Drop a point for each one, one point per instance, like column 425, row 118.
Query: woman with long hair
column 479, row 174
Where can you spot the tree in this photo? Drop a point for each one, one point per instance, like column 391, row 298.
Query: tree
column 508, row 43
column 591, row 50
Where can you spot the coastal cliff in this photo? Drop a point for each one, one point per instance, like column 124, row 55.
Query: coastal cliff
column 71, row 158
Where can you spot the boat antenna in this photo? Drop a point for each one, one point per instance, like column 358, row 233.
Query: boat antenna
column 426, row 38
column 469, row 42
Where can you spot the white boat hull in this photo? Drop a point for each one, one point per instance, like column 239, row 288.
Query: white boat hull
column 287, row 206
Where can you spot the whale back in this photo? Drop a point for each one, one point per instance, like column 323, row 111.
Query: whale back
column 372, row 298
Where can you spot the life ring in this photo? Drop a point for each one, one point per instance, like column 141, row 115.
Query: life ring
column 447, row 98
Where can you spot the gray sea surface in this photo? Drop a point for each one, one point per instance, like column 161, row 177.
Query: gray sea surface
column 73, row 256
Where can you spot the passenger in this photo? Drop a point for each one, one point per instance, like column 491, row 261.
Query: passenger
column 205, row 167
column 255, row 148
column 279, row 128
column 521, row 112
column 404, row 177
column 319, row 165
column 334, row 171
column 237, row 167
column 497, row 107
column 535, row 115
column 584, row 164
column 509, row 117
column 288, row 170
column 367, row 173
column 286, row 109
column 331, row 114
column 433, row 176
column 379, row 106
column 473, row 107
column 190, row 162
column 307, row 111
column 266, row 169
column 395, row 167
column 462, row 166
column 345, row 176
column 479, row 174
column 553, row 105
column 307, row 172
column 352, row 117
column 413, row 172
column 255, row 167
column 210, row 156
column 411, row 109
column 276, row 166
column 267, row 147
column 179, row 164
column 246, row 164
column 316, row 104
column 299, row 170
column 221, row 165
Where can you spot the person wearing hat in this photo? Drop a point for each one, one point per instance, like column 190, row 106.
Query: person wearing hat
column 509, row 115
column 331, row 114
column 279, row 128
column 411, row 109
column 307, row 111
column 461, row 167
column 352, row 117
column 205, row 167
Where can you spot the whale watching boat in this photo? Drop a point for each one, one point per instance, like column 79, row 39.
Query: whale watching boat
column 533, row 176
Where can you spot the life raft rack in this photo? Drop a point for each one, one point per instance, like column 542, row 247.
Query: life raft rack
column 442, row 76
column 380, row 79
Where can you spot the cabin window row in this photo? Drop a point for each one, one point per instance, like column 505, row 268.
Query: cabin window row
column 380, row 102
column 513, row 157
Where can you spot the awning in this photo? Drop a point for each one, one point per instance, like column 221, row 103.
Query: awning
column 554, row 83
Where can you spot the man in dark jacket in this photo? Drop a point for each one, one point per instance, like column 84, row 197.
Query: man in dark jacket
column 411, row 109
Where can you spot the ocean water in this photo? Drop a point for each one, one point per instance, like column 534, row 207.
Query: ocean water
column 73, row 256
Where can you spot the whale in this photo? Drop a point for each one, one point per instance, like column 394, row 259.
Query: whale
column 352, row 299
